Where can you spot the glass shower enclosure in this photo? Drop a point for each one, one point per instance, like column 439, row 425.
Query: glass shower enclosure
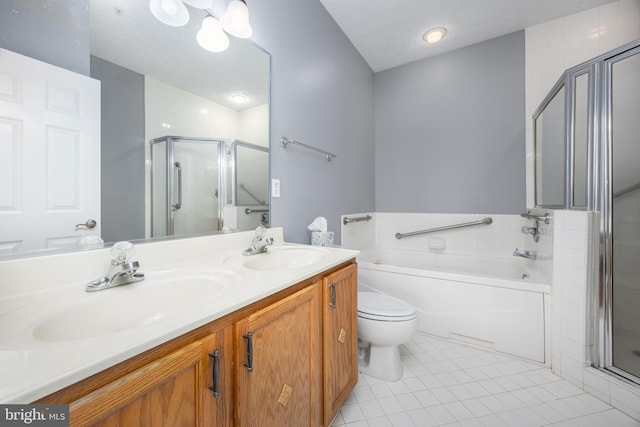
column 201, row 185
column 587, row 156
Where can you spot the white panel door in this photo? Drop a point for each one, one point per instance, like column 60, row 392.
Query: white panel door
column 49, row 154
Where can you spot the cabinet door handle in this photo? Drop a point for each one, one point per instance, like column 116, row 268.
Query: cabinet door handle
column 332, row 295
column 249, row 364
column 215, row 388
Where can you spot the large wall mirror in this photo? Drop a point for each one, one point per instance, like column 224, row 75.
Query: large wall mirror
column 129, row 80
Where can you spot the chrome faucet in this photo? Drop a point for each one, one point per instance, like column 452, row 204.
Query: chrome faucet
column 122, row 272
column 525, row 254
column 260, row 243
column 533, row 231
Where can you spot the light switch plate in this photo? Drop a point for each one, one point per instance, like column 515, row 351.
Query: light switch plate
column 275, row 188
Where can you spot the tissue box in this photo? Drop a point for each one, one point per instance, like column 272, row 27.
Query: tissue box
column 319, row 238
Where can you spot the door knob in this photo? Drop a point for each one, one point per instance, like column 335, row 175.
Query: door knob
column 91, row 223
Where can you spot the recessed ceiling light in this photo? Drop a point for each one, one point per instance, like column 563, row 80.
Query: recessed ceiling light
column 434, row 35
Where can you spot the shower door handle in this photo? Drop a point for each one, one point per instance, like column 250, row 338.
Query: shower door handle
column 178, row 205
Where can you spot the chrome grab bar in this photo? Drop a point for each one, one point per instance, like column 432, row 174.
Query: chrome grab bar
column 284, row 141
column 488, row 220
column 248, row 211
column 178, row 205
column 346, row 220
column 546, row 218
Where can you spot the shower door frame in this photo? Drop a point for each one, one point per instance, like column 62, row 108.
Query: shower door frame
column 599, row 191
column 603, row 342
column 170, row 160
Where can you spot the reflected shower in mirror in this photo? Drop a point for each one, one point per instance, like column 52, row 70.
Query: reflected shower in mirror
column 153, row 81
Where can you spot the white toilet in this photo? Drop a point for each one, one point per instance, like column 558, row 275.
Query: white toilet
column 384, row 323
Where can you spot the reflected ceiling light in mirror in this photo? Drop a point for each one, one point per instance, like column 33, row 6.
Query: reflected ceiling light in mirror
column 239, row 98
column 211, row 37
column 434, row 35
column 235, row 20
column 170, row 12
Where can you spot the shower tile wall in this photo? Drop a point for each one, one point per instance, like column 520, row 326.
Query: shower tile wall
column 554, row 46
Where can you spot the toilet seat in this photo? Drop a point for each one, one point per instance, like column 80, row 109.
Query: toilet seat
column 384, row 308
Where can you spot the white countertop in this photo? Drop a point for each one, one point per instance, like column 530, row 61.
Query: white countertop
column 36, row 294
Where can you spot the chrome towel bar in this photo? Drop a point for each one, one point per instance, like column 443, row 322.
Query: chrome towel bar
column 284, row 141
column 346, row 220
column 488, row 220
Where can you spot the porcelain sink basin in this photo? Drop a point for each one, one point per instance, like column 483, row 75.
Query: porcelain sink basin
column 285, row 258
column 160, row 296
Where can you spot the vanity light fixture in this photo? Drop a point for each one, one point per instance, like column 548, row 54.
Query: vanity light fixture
column 434, row 35
column 235, row 20
column 170, row 12
column 174, row 12
column 211, row 37
column 199, row 4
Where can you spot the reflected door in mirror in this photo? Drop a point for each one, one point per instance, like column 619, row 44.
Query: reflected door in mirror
column 49, row 155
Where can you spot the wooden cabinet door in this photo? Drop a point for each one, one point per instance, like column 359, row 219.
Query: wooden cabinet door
column 171, row 391
column 278, row 352
column 340, row 338
column 217, row 380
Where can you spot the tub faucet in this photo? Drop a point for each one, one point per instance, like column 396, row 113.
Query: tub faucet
column 122, row 272
column 525, row 254
column 260, row 243
column 533, row 231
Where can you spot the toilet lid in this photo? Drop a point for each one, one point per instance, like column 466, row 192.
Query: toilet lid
column 383, row 307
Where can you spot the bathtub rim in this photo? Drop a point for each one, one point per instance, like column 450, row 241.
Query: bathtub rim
column 539, row 285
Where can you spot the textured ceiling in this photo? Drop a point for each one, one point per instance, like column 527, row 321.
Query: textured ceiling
column 389, row 33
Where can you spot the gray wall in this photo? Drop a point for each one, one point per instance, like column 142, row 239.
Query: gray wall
column 42, row 21
column 122, row 147
column 322, row 95
column 450, row 132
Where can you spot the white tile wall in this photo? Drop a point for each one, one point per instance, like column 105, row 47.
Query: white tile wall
column 254, row 125
column 554, row 46
column 497, row 240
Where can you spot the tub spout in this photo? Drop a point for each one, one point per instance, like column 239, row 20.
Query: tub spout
column 525, row 254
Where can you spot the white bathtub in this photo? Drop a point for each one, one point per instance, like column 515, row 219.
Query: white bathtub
column 491, row 303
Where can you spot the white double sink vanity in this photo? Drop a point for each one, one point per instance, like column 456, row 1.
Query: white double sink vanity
column 202, row 327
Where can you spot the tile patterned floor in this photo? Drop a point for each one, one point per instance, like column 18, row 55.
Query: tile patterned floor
column 451, row 384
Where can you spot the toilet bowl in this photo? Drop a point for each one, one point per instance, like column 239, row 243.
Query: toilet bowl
column 384, row 323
